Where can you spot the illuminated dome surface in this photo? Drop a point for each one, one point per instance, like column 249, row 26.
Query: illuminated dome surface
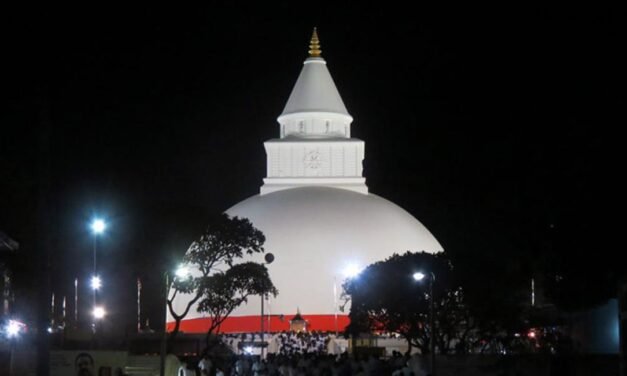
column 315, row 234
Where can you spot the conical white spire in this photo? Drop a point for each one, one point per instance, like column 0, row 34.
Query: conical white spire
column 315, row 91
column 315, row 148
column 315, row 107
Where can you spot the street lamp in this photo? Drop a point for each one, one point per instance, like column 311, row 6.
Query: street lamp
column 99, row 313
column 269, row 258
column 96, row 282
column 12, row 330
column 335, row 302
column 419, row 277
column 98, row 226
column 351, row 271
column 181, row 272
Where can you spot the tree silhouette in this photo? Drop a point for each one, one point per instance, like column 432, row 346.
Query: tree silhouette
column 218, row 283
column 385, row 297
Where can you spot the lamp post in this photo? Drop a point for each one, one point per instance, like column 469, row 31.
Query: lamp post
column 76, row 303
column 139, row 306
column 419, row 277
column 165, row 327
column 269, row 258
column 335, row 302
column 351, row 271
column 13, row 330
column 98, row 226
column 181, row 272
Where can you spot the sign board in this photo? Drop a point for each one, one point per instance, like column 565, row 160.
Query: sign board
column 87, row 363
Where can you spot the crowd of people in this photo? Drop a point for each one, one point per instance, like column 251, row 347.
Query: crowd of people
column 304, row 354
column 284, row 343
column 292, row 343
column 313, row 364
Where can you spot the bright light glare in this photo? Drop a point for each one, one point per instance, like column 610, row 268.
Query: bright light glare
column 99, row 312
column 13, row 328
column 182, row 272
column 351, row 271
column 248, row 350
column 96, row 282
column 98, row 226
column 418, row 276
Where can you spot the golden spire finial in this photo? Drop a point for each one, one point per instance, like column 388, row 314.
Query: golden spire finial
column 314, row 45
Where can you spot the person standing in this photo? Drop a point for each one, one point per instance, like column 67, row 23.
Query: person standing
column 205, row 365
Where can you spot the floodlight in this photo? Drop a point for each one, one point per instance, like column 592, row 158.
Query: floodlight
column 13, row 328
column 96, row 282
column 351, row 271
column 98, row 226
column 182, row 272
column 99, row 312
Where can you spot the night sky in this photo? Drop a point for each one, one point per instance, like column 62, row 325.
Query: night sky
column 489, row 125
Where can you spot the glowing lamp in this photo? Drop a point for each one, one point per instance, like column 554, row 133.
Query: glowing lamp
column 13, row 328
column 96, row 282
column 182, row 272
column 351, row 271
column 99, row 312
column 98, row 226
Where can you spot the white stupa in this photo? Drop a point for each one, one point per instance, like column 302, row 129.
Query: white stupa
column 319, row 219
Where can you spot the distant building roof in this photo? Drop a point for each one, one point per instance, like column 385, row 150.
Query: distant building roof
column 298, row 316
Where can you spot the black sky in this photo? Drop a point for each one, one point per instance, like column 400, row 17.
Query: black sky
column 489, row 125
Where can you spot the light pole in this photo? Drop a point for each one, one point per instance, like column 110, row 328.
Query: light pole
column 165, row 326
column 13, row 330
column 351, row 271
column 139, row 306
column 335, row 302
column 419, row 277
column 181, row 272
column 269, row 257
column 76, row 303
column 98, row 226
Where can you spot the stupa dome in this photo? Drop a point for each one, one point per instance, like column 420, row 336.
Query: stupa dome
column 317, row 234
column 315, row 210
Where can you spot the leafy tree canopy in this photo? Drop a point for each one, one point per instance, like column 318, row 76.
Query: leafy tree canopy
column 385, row 297
column 220, row 282
column 223, row 292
